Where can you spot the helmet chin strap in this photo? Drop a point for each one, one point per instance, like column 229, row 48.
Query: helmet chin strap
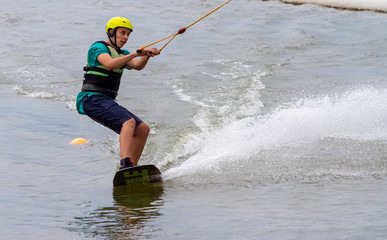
column 113, row 34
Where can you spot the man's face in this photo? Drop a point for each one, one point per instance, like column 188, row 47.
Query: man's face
column 122, row 36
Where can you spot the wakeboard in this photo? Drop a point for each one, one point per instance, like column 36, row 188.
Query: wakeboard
column 138, row 174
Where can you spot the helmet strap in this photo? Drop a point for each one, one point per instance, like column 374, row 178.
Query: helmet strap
column 112, row 34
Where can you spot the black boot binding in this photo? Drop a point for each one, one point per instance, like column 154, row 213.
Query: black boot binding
column 126, row 163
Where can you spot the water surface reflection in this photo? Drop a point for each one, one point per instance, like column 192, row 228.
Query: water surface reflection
column 130, row 216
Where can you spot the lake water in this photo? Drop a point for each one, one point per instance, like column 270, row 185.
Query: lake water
column 268, row 121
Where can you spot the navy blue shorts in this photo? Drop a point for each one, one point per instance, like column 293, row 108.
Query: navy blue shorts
column 107, row 112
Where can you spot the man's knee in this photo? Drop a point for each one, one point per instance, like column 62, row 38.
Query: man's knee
column 143, row 129
column 130, row 124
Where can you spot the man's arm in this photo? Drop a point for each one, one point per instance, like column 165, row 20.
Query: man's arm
column 113, row 63
column 140, row 63
column 128, row 60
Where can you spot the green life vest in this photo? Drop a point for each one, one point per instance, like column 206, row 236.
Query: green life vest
column 102, row 80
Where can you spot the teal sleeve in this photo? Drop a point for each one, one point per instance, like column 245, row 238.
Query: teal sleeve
column 94, row 51
column 97, row 49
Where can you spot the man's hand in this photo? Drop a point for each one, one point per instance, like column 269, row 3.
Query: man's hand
column 151, row 52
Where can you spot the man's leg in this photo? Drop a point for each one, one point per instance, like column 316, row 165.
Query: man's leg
column 133, row 139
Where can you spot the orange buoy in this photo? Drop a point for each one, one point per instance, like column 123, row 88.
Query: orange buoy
column 78, row 141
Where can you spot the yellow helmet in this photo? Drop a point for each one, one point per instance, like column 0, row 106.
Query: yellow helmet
column 118, row 22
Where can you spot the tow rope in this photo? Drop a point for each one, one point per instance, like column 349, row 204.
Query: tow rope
column 181, row 30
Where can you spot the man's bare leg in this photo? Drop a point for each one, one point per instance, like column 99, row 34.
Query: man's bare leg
column 133, row 139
